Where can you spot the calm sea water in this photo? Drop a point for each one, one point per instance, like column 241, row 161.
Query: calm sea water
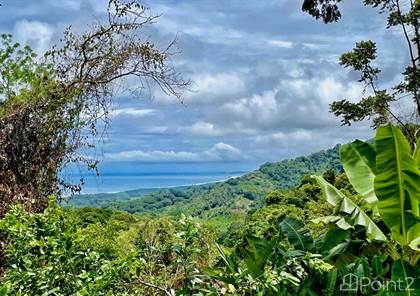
column 123, row 182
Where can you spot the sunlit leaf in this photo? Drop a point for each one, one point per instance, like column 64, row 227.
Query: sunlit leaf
column 358, row 159
column 336, row 198
column 397, row 183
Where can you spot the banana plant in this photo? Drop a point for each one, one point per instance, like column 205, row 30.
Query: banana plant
column 296, row 234
column 358, row 217
column 387, row 176
column 416, row 154
column 397, row 184
column 358, row 159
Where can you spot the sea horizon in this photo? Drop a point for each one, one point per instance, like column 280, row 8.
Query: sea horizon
column 120, row 182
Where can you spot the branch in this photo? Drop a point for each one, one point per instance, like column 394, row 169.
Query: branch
column 413, row 59
column 141, row 282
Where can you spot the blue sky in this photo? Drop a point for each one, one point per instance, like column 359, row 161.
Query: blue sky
column 263, row 75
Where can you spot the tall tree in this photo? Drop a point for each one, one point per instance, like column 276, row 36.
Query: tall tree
column 380, row 105
column 50, row 108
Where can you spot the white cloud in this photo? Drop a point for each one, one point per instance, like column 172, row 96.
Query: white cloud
column 37, row 34
column 259, row 108
column 207, row 88
column 208, row 129
column 214, row 87
column 280, row 43
column 284, row 139
column 132, row 112
column 201, row 128
column 156, row 129
column 219, row 152
column 329, row 90
column 223, row 152
column 294, row 103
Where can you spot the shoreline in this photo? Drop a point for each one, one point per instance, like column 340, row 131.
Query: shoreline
column 161, row 188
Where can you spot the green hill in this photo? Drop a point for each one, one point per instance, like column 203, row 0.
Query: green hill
column 100, row 199
column 222, row 198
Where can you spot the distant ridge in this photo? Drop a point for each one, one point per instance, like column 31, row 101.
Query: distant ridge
column 219, row 198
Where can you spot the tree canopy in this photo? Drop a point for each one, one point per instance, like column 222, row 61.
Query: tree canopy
column 382, row 104
column 51, row 107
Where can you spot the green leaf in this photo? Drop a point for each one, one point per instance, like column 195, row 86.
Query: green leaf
column 4, row 289
column 333, row 238
column 377, row 266
column 331, row 283
column 338, row 249
column 397, row 183
column 339, row 221
column 336, row 198
column 415, row 244
column 297, row 236
column 416, row 154
column 413, row 237
column 358, row 159
column 230, row 263
column 257, row 254
column 406, row 277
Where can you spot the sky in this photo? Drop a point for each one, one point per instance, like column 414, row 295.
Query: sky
column 263, row 75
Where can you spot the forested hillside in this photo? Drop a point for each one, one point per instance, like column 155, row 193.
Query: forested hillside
column 223, row 198
column 342, row 222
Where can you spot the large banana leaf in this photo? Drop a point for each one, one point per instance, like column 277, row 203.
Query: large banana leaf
column 339, row 221
column 336, row 198
column 296, row 234
column 358, row 159
column 397, row 183
column 416, row 154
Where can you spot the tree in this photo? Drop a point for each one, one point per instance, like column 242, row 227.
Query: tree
column 50, row 110
column 380, row 104
column 327, row 10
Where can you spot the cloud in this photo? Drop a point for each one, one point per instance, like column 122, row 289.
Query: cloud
column 211, row 87
column 218, row 152
column 284, row 139
column 293, row 103
column 76, row 5
column 260, row 82
column 208, row 88
column 223, row 152
column 132, row 112
column 201, row 128
column 280, row 43
column 37, row 34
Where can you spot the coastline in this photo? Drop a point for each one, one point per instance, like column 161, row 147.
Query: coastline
column 158, row 188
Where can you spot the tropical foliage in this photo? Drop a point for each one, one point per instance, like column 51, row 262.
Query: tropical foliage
column 281, row 230
column 306, row 240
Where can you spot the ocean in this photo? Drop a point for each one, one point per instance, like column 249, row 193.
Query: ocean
column 118, row 182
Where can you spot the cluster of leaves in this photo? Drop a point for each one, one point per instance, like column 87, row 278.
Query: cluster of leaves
column 305, row 240
column 97, row 252
column 372, row 234
column 381, row 105
column 42, row 255
column 31, row 146
column 283, row 265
